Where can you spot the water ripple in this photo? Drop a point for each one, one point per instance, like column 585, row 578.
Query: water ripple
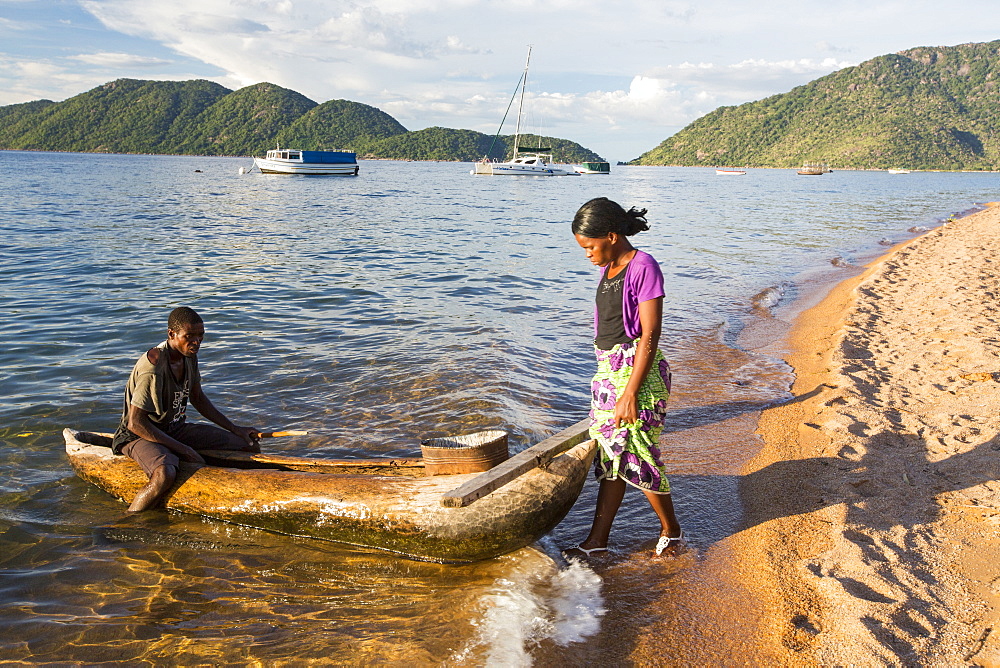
column 412, row 301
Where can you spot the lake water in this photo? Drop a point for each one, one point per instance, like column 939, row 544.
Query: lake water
column 414, row 300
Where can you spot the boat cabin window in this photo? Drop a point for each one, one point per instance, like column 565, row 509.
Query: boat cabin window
column 530, row 161
column 294, row 155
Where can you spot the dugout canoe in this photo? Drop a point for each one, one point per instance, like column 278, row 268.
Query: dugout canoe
column 382, row 504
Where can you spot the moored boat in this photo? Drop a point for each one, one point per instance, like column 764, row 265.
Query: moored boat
column 593, row 168
column 524, row 164
column 728, row 171
column 293, row 161
column 814, row 169
column 899, row 171
column 382, row 504
column 524, row 161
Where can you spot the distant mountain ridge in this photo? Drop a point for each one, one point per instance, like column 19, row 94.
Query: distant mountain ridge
column 923, row 108
column 199, row 117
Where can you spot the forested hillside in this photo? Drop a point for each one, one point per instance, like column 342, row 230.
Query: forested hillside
column 203, row 118
column 124, row 116
column 341, row 124
column 924, row 108
column 242, row 122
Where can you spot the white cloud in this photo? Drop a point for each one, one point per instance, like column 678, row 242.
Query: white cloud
column 749, row 70
column 9, row 26
column 20, row 79
column 124, row 60
column 350, row 49
column 602, row 70
column 665, row 99
column 824, row 45
column 214, row 24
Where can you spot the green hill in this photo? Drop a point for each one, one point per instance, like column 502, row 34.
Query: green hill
column 431, row 144
column 469, row 145
column 561, row 149
column 124, row 116
column 244, row 122
column 924, row 108
column 204, row 118
column 13, row 113
column 341, row 124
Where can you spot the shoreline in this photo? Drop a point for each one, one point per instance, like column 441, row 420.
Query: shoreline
column 617, row 164
column 872, row 508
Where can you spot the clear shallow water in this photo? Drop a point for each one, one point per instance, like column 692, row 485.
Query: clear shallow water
column 412, row 301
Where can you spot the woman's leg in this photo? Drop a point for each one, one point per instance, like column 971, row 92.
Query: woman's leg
column 663, row 505
column 609, row 498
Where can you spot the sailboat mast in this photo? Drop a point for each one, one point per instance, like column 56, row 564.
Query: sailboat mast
column 520, row 105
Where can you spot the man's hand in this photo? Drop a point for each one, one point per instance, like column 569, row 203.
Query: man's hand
column 250, row 435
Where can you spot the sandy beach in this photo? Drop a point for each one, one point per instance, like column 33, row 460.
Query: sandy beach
column 873, row 509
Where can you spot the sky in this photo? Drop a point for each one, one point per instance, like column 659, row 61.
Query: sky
column 617, row 76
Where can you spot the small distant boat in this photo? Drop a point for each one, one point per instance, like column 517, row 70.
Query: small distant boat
column 524, row 162
column 814, row 169
column 899, row 171
column 293, row 161
column 728, row 171
column 593, row 168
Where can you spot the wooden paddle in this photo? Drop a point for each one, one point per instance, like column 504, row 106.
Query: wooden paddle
column 276, row 434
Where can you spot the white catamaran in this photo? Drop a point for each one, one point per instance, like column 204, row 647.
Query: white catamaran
column 528, row 162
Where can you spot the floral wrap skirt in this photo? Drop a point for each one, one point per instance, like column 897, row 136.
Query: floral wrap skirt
column 630, row 452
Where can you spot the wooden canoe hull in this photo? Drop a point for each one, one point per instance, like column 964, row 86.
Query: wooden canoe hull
column 398, row 513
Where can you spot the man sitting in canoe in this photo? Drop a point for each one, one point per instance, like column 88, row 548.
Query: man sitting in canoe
column 153, row 429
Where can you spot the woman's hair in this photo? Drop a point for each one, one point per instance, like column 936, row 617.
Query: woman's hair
column 600, row 217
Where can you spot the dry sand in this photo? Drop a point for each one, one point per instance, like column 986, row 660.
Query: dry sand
column 873, row 511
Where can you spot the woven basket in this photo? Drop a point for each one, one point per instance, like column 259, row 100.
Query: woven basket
column 472, row 453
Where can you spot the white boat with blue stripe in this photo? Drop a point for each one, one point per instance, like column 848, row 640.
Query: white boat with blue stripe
column 294, row 161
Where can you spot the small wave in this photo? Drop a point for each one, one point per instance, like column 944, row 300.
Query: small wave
column 917, row 229
column 885, row 241
column 769, row 377
column 768, row 298
column 840, row 262
column 537, row 601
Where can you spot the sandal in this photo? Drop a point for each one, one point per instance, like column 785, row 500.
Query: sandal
column 585, row 551
column 666, row 541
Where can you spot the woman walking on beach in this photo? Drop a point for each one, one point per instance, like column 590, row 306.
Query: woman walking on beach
column 632, row 383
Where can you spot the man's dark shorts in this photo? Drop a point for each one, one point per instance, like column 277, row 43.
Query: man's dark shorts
column 152, row 456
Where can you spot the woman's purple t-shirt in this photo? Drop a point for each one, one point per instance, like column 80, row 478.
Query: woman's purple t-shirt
column 643, row 281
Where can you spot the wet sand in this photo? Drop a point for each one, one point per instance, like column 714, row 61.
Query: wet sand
column 872, row 530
